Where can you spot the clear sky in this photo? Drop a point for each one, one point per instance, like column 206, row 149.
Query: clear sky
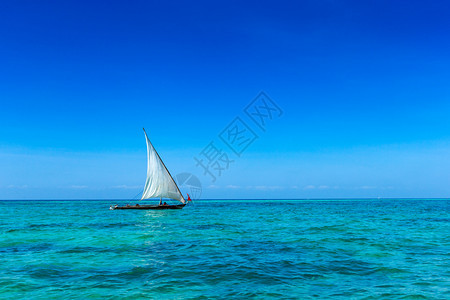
column 363, row 87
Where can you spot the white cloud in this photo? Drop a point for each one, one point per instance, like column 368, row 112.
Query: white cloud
column 309, row 187
column 78, row 186
column 367, row 187
column 230, row 186
column 267, row 187
column 264, row 187
column 126, row 187
column 12, row 186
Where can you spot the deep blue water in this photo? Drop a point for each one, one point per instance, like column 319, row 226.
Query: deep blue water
column 358, row 249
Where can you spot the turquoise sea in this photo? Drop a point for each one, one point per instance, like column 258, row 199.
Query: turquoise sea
column 230, row 249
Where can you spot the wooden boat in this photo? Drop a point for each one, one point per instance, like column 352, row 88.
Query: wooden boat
column 137, row 206
column 159, row 184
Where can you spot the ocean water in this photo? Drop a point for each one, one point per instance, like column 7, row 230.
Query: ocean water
column 290, row 249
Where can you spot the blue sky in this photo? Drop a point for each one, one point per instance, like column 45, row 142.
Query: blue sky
column 363, row 86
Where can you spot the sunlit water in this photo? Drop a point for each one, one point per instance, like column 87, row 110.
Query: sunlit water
column 374, row 249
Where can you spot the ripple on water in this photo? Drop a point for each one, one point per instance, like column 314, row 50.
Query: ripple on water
column 268, row 249
column 23, row 247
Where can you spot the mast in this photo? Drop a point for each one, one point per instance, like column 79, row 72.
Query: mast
column 178, row 189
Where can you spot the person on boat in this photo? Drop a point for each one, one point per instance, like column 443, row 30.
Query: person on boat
column 165, row 203
column 160, row 201
column 137, row 204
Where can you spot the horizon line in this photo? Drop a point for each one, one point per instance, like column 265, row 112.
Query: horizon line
column 250, row 199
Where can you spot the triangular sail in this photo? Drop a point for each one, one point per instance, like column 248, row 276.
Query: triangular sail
column 160, row 183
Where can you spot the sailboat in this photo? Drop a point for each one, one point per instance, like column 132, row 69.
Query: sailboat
column 159, row 184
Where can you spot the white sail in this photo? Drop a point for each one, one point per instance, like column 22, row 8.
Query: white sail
column 160, row 183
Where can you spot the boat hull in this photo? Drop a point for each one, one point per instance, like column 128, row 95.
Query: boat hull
column 158, row 207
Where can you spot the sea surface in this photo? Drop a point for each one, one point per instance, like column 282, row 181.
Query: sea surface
column 230, row 249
